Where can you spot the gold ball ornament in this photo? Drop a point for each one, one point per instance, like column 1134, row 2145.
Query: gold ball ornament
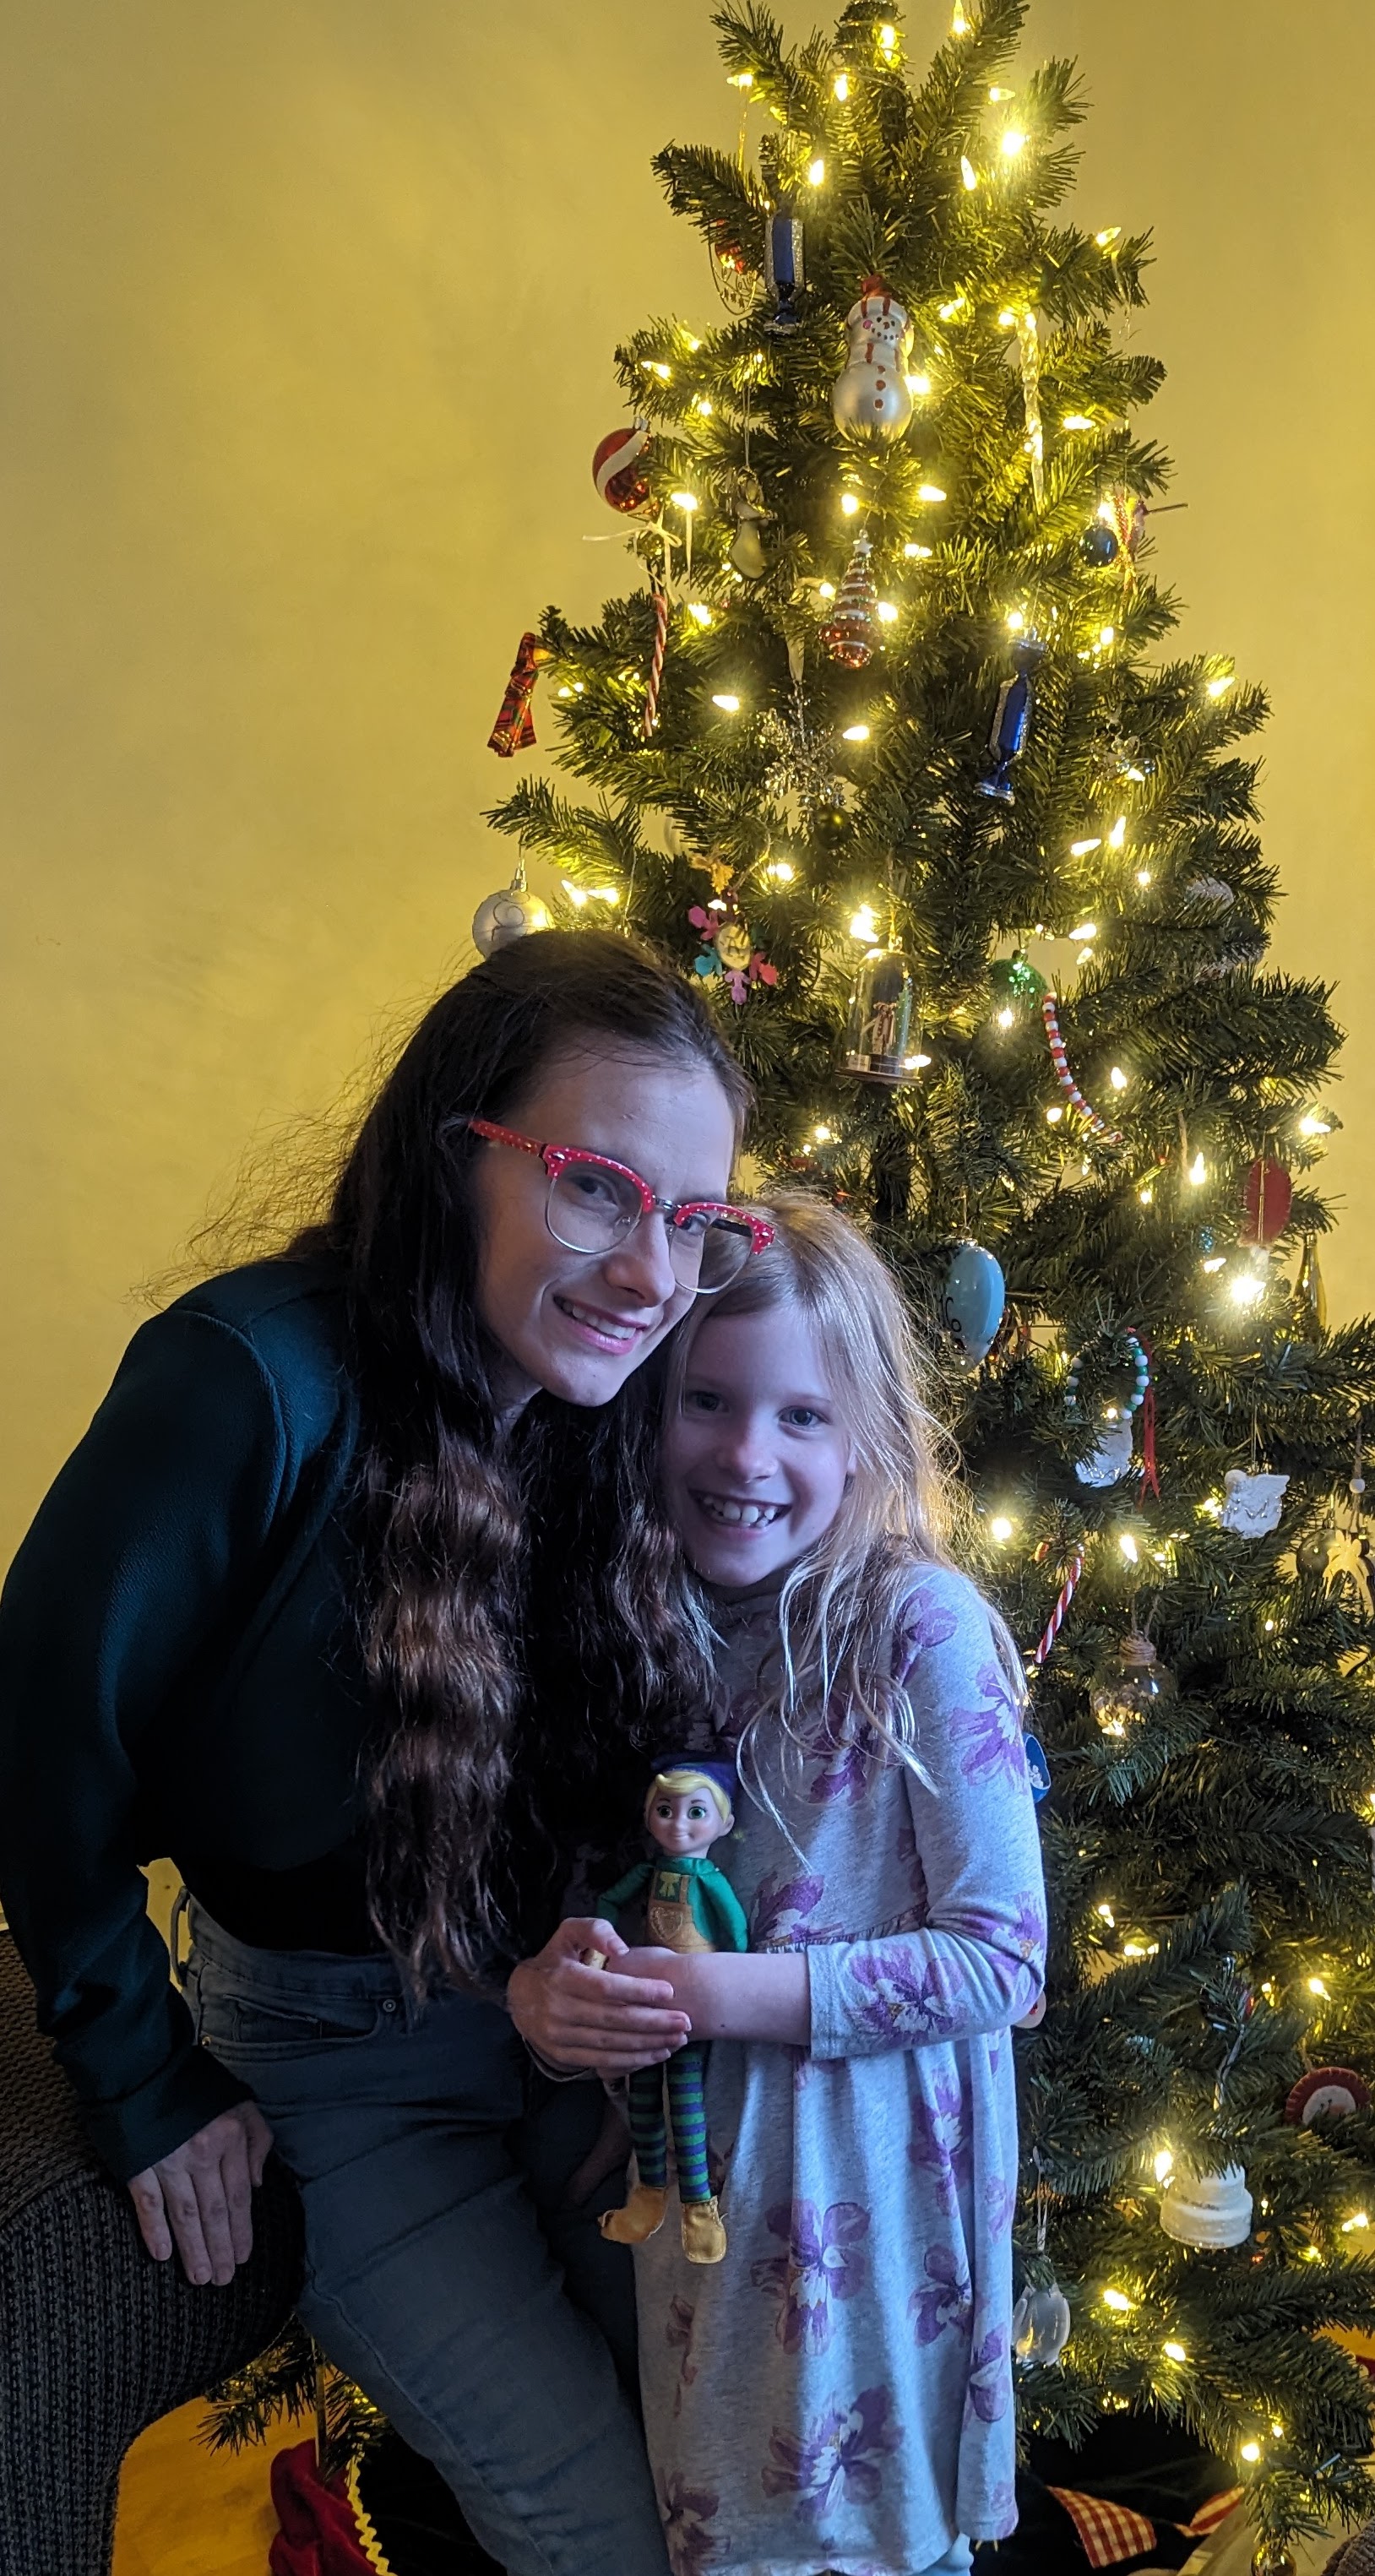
column 1273, row 2559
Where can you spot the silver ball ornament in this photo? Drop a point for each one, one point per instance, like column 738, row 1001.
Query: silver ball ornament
column 510, row 914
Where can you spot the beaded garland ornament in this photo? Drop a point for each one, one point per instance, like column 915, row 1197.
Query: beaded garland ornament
column 1050, row 1014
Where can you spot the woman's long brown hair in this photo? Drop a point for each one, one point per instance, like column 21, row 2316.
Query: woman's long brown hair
column 518, row 1600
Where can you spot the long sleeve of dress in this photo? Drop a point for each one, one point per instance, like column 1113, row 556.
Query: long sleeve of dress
column 977, row 1961
column 625, row 1891
column 135, row 1560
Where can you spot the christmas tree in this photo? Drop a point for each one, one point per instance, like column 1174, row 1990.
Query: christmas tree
column 881, row 746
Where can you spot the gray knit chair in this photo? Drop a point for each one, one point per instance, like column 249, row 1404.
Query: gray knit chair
column 97, row 2340
column 1355, row 2557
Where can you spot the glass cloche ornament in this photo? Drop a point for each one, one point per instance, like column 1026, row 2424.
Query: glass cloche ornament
column 1137, row 1688
column 881, row 1030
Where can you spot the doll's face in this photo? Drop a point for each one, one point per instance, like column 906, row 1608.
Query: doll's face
column 685, row 1821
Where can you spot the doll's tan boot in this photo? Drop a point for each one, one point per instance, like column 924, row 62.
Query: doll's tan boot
column 641, row 2218
column 704, row 2237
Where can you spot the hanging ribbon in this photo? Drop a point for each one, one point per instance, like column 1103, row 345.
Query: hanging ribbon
column 1029, row 351
column 1066, row 1593
column 514, row 729
column 1150, row 1474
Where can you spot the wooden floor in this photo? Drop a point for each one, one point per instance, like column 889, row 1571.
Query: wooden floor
column 186, row 2511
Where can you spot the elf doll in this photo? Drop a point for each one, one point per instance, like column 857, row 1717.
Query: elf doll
column 689, row 1905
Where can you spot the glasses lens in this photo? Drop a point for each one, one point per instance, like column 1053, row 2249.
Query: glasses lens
column 591, row 1210
column 718, row 1252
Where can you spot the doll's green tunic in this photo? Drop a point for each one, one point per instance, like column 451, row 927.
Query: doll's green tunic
column 837, row 2393
column 689, row 1904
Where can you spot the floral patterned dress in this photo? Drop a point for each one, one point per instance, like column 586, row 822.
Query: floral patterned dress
column 837, row 2394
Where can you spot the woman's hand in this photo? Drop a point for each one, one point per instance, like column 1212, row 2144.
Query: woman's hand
column 579, row 2016
column 200, row 2197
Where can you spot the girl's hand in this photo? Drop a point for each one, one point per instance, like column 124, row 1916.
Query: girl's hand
column 579, row 2016
column 200, row 2197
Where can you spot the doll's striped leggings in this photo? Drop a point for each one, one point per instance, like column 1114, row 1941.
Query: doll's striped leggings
column 685, row 2076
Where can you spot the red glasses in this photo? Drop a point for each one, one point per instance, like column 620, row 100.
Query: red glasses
column 594, row 1204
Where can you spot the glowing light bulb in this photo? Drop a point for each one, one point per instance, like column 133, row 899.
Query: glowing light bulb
column 968, row 172
column 728, row 703
column 1118, row 2301
column 1219, row 687
column 1118, row 1078
column 1316, row 1986
column 575, row 894
column 1108, row 1915
column 1105, row 239
column 886, row 613
column 1007, row 319
column 864, row 924
column 930, row 492
column 686, row 501
column 1054, row 1116
column 1311, row 1125
column 998, row 95
column 1143, row 876
column 1357, row 2219
column 1269, row 1627
column 1247, row 1289
column 740, row 80
column 825, row 590
column 918, row 387
column 606, row 894
column 887, row 37
column 816, row 172
column 1118, row 834
column 849, row 502
column 1107, row 635
column 1081, row 849
column 948, row 311
column 698, row 610
column 1085, row 929
column 1077, row 420
column 1016, row 620
column 959, row 24
column 840, row 87
column 563, row 693
column 1164, row 2164
column 1250, row 2450
column 919, row 554
column 855, row 733
column 823, row 1134
column 1174, row 2351
column 782, row 871
column 1001, row 1529
column 1013, row 142
column 1129, row 1547
column 1146, row 1196
column 1198, row 1172
column 1006, row 1016
column 703, row 406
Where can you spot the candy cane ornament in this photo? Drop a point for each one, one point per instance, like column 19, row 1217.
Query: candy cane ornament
column 1066, row 1593
column 1049, row 1013
column 650, row 718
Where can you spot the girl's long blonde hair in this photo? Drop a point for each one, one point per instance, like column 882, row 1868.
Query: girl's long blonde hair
column 840, row 1608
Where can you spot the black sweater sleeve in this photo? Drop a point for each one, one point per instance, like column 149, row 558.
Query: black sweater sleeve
column 132, row 1562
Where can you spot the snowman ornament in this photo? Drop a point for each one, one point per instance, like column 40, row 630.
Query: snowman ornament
column 871, row 391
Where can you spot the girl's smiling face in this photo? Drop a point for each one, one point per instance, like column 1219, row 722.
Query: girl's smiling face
column 757, row 1457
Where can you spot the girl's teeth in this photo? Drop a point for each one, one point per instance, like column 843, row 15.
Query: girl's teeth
column 742, row 1515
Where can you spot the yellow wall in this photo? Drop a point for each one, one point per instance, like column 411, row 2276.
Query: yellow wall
column 305, row 342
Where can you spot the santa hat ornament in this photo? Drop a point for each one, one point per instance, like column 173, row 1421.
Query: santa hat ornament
column 616, row 467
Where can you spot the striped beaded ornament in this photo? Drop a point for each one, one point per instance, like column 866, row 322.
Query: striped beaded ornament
column 1099, row 1126
column 849, row 631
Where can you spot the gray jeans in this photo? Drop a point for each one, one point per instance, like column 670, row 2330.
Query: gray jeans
column 492, row 2324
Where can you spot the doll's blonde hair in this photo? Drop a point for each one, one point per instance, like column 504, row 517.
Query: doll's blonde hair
column 840, row 1607
column 680, row 1780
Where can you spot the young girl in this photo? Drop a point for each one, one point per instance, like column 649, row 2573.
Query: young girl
column 837, row 2393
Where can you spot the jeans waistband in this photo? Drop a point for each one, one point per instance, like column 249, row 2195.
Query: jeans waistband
column 324, row 1972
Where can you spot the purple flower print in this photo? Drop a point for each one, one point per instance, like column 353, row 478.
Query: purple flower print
column 780, row 1909
column 942, row 2143
column 841, row 2452
column 1000, row 2201
column 989, row 2379
column 991, row 1733
column 678, row 2337
column 901, row 1995
column 946, row 2298
column 848, row 1759
column 925, row 1623
column 1000, row 2520
column 820, row 2264
column 687, row 2511
column 1029, row 1926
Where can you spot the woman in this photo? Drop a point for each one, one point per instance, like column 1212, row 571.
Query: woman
column 355, row 1600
